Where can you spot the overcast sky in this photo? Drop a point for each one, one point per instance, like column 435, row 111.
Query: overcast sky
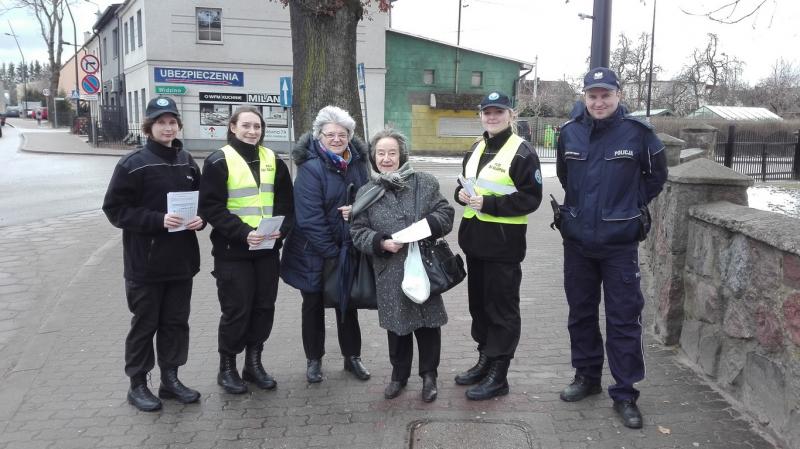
column 552, row 30
column 525, row 29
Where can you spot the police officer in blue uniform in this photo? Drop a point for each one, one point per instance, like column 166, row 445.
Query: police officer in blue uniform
column 610, row 166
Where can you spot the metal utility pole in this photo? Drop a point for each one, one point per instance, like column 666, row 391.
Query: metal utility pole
column 652, row 50
column 75, row 45
column 458, row 44
column 601, row 34
column 25, row 73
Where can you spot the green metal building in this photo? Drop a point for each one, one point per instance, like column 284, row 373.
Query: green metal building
column 433, row 89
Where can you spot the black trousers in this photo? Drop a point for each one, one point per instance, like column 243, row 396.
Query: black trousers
column 247, row 290
column 493, row 289
column 401, row 351
column 160, row 309
column 313, row 328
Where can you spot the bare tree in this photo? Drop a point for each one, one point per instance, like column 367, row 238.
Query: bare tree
column 734, row 11
column 50, row 15
column 324, row 54
column 631, row 61
column 780, row 90
column 551, row 98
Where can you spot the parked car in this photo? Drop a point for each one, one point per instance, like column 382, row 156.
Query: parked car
column 12, row 111
column 32, row 113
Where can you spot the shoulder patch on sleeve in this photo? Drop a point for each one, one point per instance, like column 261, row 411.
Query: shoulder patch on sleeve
column 538, row 176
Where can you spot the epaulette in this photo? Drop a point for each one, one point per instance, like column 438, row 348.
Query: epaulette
column 640, row 121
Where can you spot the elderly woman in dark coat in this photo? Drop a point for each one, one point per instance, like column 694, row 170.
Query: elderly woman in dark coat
column 372, row 230
column 331, row 162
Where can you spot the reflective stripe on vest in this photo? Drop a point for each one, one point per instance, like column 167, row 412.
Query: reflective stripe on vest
column 494, row 178
column 248, row 202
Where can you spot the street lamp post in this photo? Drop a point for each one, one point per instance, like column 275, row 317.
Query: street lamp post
column 652, row 50
column 24, row 74
column 601, row 33
column 75, row 43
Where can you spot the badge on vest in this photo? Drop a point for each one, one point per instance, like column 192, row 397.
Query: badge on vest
column 497, row 167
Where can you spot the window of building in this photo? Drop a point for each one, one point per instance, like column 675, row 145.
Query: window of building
column 136, row 106
column 209, row 24
column 428, row 77
column 139, row 26
column 477, row 79
column 125, row 37
column 144, row 103
column 133, row 33
column 115, row 41
column 105, row 51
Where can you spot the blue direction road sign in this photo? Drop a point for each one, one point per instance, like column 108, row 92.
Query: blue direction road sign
column 90, row 84
column 361, row 76
column 285, row 90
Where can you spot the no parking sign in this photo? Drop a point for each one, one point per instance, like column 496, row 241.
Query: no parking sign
column 90, row 84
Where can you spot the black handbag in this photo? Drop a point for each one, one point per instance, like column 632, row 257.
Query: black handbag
column 445, row 270
column 361, row 279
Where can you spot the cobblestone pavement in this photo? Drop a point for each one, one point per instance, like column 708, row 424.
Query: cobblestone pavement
column 63, row 321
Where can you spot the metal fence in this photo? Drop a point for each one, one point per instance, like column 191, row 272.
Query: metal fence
column 542, row 132
column 767, row 160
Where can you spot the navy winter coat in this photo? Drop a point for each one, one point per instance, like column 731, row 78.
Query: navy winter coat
column 319, row 190
column 610, row 170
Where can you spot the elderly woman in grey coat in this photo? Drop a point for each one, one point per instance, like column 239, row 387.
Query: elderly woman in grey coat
column 371, row 230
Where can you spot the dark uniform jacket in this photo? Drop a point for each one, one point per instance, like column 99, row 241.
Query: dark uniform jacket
column 610, row 170
column 229, row 236
column 501, row 242
column 319, row 231
column 136, row 202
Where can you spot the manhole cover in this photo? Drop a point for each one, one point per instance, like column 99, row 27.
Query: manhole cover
column 468, row 434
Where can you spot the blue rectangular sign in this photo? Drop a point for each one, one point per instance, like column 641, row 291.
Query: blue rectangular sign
column 285, row 91
column 197, row 76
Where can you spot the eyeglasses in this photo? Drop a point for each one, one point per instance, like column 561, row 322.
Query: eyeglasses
column 331, row 136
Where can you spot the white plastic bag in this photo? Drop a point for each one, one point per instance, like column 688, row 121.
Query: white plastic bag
column 415, row 280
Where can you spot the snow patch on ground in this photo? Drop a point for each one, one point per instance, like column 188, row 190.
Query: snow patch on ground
column 783, row 198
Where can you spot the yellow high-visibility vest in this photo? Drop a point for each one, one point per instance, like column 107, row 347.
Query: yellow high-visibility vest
column 494, row 178
column 249, row 202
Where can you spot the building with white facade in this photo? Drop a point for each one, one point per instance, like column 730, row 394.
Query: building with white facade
column 212, row 56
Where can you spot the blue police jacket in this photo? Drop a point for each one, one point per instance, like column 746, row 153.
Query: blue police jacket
column 610, row 170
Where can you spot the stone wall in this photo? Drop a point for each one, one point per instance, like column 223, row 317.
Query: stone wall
column 741, row 308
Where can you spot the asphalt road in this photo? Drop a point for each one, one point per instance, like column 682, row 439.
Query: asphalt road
column 37, row 186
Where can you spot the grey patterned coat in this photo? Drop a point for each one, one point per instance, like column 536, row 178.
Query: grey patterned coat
column 393, row 212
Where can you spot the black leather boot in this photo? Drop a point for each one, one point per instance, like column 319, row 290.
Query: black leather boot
column 429, row 390
column 228, row 378
column 254, row 371
column 140, row 396
column 172, row 388
column 494, row 384
column 394, row 388
column 629, row 412
column 314, row 371
column 354, row 364
column 476, row 373
column 580, row 387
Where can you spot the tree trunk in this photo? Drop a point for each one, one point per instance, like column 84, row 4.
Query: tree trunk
column 324, row 52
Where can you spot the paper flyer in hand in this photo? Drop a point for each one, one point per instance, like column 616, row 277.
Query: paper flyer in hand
column 413, row 233
column 267, row 227
column 183, row 204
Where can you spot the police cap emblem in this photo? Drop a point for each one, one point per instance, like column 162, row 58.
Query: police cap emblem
column 162, row 102
column 598, row 75
column 494, row 96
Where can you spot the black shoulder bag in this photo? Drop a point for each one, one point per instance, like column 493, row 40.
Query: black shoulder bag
column 445, row 270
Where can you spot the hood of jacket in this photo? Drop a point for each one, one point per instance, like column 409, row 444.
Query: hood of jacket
column 304, row 150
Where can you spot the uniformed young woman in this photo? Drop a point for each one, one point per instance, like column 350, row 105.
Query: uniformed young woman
column 503, row 169
column 159, row 265
column 244, row 182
